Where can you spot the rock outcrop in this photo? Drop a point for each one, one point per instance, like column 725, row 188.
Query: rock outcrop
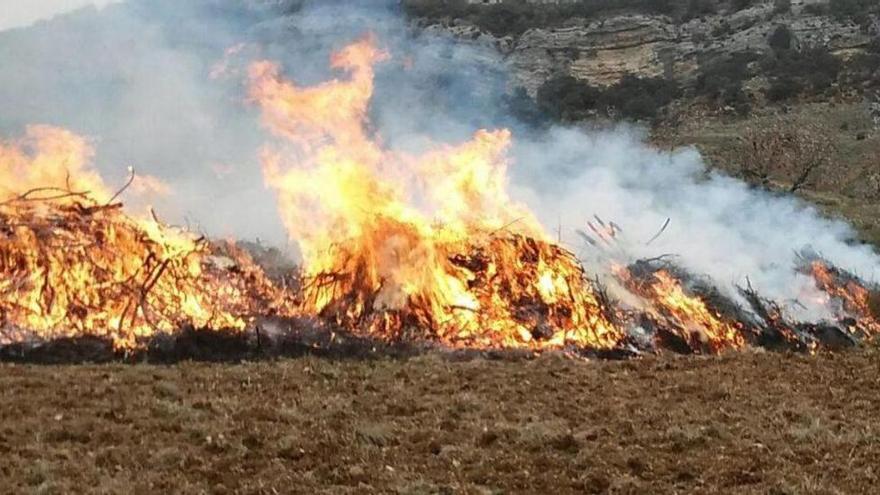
column 602, row 51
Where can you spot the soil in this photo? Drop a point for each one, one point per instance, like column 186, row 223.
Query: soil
column 751, row 422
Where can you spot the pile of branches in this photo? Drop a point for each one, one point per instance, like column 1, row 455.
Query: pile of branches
column 71, row 267
column 761, row 322
column 509, row 267
column 855, row 302
column 671, row 331
column 502, row 272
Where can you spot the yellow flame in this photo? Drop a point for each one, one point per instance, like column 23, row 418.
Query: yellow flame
column 389, row 239
column 72, row 265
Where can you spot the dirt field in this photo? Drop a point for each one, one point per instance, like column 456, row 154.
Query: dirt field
column 747, row 423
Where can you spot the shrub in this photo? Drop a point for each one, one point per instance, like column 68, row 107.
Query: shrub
column 640, row 98
column 565, row 98
column 781, row 38
column 864, row 68
column 784, row 89
column 781, row 6
column 817, row 9
column 699, row 8
column 737, row 5
column 515, row 16
column 721, row 29
column 521, row 106
column 792, row 71
column 721, row 79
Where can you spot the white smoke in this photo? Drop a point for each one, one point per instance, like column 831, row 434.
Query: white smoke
column 22, row 13
column 718, row 226
column 136, row 77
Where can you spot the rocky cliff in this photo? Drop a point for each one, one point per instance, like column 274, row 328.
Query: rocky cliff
column 601, row 51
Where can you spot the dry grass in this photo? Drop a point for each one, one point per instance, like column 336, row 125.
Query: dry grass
column 745, row 423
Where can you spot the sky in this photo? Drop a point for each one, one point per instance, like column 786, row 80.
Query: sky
column 19, row 13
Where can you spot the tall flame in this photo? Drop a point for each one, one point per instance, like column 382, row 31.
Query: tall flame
column 394, row 242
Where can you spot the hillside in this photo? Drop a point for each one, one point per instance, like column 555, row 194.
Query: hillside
column 784, row 94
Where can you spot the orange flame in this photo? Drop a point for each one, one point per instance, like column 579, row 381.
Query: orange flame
column 49, row 162
column 73, row 265
column 686, row 315
column 857, row 302
column 375, row 261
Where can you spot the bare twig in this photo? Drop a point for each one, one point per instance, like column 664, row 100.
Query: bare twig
column 124, row 187
column 658, row 234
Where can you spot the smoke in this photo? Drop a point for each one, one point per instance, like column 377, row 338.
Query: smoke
column 155, row 84
column 136, row 77
column 20, row 13
column 718, row 226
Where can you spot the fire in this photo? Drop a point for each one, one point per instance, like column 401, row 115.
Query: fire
column 49, row 163
column 397, row 245
column 687, row 316
column 692, row 314
column 74, row 264
column 856, row 305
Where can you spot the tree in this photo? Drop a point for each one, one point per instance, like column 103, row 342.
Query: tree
column 782, row 151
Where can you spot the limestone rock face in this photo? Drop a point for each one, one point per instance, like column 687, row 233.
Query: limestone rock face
column 602, row 51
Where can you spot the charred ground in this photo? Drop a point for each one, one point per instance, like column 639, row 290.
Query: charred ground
column 436, row 423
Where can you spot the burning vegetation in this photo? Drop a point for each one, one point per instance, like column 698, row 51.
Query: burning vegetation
column 73, row 263
column 397, row 247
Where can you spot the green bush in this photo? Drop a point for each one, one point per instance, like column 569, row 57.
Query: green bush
column 515, row 16
column 781, row 6
column 521, row 106
column 791, row 71
column 781, row 38
column 784, row 89
column 816, row 9
column 699, row 8
column 864, row 68
column 737, row 5
column 721, row 78
column 566, row 99
column 639, row 98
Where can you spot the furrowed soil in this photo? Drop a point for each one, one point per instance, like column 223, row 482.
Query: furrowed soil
column 744, row 423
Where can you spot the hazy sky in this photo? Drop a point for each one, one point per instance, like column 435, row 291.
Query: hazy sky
column 17, row 13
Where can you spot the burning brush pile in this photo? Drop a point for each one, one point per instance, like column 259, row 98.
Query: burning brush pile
column 397, row 248
column 73, row 263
